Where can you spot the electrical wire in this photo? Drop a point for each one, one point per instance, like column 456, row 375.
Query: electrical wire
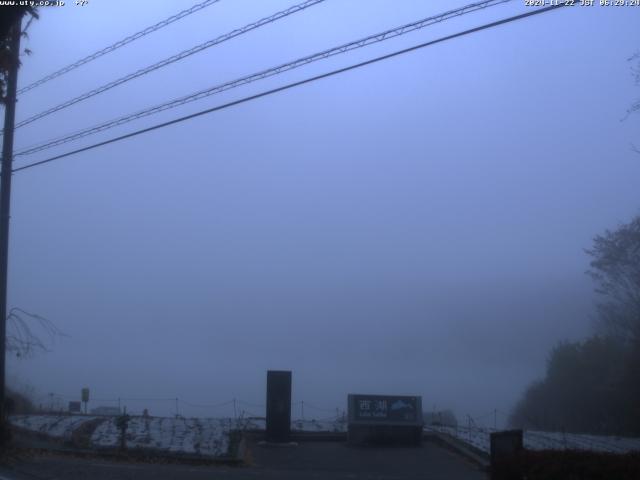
column 118, row 44
column 369, row 40
column 248, row 404
column 313, row 407
column 212, row 406
column 299, row 83
column 148, row 399
column 174, row 58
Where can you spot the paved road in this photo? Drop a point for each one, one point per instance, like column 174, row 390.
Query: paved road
column 312, row 460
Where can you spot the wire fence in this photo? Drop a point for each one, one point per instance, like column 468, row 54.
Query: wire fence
column 177, row 406
column 474, row 430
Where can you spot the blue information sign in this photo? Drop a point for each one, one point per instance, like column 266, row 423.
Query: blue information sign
column 385, row 409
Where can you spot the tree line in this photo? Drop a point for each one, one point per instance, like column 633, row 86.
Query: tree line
column 593, row 386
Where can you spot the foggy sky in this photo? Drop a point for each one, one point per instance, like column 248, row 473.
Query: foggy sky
column 417, row 226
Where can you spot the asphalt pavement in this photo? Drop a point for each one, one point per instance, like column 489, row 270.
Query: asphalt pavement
column 306, row 460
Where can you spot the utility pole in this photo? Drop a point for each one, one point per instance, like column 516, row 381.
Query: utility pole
column 5, row 197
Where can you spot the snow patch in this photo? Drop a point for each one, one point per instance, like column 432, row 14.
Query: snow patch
column 200, row 436
column 535, row 440
column 57, row 426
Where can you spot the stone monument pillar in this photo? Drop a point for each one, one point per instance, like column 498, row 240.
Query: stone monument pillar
column 278, row 405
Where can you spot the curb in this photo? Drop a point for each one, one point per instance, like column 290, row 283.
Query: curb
column 479, row 458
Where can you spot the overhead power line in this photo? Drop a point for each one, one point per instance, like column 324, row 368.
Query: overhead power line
column 118, row 44
column 363, row 42
column 313, row 407
column 248, row 404
column 298, row 83
column 174, row 58
column 210, row 406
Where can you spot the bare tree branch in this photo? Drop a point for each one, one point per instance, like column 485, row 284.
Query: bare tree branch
column 635, row 106
column 22, row 340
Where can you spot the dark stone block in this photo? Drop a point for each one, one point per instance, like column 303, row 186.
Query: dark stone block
column 506, row 448
column 278, row 405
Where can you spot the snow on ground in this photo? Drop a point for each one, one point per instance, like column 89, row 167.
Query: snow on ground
column 199, row 436
column 210, row 436
column 541, row 440
column 202, row 436
column 534, row 440
column 58, row 426
column 331, row 425
column 253, row 423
